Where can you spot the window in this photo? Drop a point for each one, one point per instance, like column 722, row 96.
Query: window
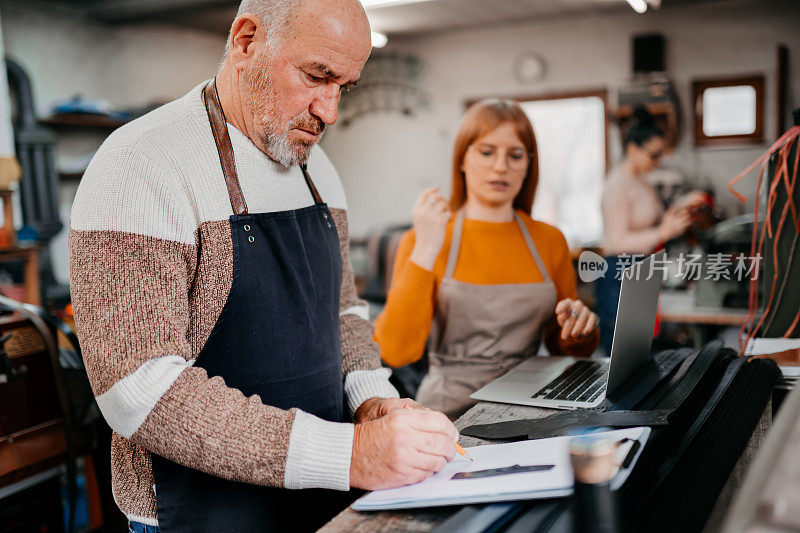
column 729, row 111
column 571, row 136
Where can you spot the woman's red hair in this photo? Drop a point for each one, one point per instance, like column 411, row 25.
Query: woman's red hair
column 480, row 119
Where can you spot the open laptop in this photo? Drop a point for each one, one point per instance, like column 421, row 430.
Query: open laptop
column 563, row 382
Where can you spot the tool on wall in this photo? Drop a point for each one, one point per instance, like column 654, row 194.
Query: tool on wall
column 650, row 87
column 389, row 83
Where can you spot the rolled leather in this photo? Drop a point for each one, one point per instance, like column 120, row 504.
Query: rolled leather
column 561, row 423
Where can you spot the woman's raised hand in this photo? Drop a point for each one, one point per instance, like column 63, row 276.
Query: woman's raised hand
column 430, row 216
column 691, row 199
column 674, row 223
column 576, row 320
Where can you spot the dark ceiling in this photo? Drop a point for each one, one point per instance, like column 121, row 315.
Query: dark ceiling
column 216, row 15
column 210, row 15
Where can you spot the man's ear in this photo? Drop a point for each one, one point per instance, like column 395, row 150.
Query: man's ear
column 246, row 33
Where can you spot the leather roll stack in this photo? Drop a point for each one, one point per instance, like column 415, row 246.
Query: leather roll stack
column 702, row 406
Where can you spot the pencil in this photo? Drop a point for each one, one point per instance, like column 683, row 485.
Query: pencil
column 459, row 449
column 463, row 452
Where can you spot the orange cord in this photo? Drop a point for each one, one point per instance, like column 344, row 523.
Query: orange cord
column 796, row 230
column 792, row 133
column 783, row 147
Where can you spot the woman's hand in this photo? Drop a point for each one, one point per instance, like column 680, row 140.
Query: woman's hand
column 431, row 214
column 575, row 319
column 691, row 199
column 674, row 223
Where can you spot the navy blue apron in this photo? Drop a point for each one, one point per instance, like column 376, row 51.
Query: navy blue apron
column 278, row 337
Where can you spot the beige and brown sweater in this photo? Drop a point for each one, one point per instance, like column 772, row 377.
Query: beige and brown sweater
column 151, row 264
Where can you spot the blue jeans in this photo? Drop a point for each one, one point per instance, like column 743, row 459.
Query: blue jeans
column 137, row 527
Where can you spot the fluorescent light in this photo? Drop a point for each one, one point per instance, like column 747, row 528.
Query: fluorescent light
column 386, row 3
column 640, row 6
column 379, row 40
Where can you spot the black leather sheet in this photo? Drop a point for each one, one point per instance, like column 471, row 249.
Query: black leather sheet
column 712, row 401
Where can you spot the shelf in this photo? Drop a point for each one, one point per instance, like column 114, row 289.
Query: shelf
column 83, row 120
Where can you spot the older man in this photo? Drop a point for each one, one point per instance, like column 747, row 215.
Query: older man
column 215, row 301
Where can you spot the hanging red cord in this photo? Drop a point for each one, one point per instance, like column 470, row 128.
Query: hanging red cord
column 791, row 134
column 782, row 147
column 751, row 309
column 782, row 157
column 775, row 241
column 793, row 325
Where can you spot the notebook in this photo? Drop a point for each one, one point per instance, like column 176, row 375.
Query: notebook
column 525, row 470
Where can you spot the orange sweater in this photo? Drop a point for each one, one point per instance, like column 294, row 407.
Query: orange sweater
column 403, row 327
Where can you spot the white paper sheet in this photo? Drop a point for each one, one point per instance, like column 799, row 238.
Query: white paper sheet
column 790, row 372
column 441, row 489
column 764, row 346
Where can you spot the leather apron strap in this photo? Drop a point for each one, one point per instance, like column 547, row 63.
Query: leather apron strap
column 310, row 184
column 219, row 127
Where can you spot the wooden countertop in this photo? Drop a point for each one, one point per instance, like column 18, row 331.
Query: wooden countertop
column 418, row 520
column 679, row 307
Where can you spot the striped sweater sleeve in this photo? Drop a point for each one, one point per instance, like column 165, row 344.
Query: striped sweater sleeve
column 364, row 378
column 361, row 362
column 133, row 258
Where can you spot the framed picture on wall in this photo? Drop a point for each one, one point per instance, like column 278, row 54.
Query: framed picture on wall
column 728, row 110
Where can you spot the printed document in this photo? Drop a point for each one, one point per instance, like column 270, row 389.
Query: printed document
column 501, row 472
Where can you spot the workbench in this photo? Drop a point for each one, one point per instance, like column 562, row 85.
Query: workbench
column 678, row 307
column 414, row 520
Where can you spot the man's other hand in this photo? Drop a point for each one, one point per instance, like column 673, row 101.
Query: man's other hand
column 403, row 447
column 375, row 408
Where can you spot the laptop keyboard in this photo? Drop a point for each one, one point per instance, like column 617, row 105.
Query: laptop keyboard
column 582, row 381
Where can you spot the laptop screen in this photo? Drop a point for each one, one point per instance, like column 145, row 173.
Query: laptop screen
column 636, row 318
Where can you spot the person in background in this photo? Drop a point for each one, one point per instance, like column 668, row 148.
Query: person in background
column 478, row 274
column 634, row 219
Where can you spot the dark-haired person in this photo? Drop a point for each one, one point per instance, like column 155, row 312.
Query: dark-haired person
column 635, row 221
column 478, row 274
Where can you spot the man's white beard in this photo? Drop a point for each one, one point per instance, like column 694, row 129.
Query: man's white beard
column 264, row 108
column 284, row 151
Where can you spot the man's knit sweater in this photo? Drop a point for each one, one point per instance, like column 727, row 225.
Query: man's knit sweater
column 151, row 266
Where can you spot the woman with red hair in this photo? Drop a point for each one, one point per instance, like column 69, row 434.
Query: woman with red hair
column 477, row 277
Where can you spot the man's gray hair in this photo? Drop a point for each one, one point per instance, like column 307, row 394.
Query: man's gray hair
column 274, row 15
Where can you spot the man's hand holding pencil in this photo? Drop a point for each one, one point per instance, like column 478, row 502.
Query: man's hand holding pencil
column 406, row 445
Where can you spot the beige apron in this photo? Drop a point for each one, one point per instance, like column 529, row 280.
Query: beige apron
column 479, row 332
